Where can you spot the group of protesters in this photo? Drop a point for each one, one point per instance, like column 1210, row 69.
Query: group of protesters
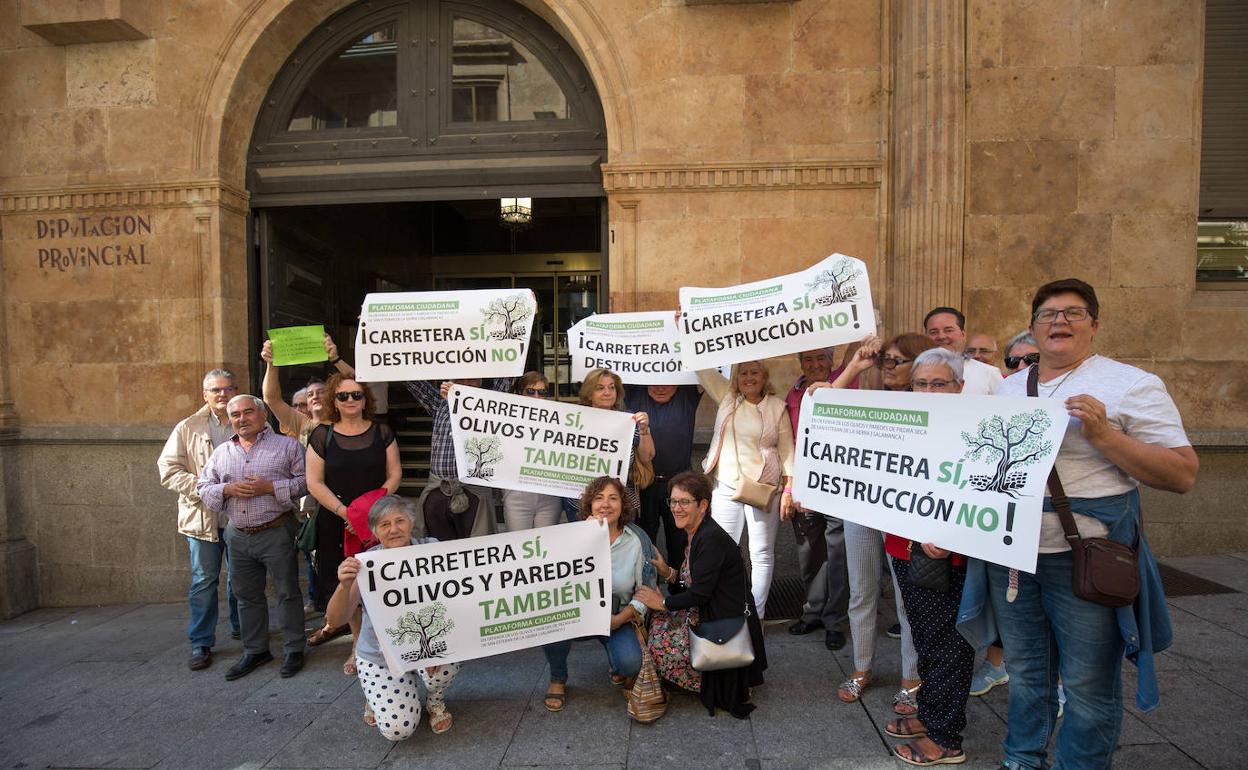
column 246, row 490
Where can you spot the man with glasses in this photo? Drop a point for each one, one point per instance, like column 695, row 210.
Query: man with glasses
column 946, row 326
column 982, row 348
column 183, row 458
column 820, row 537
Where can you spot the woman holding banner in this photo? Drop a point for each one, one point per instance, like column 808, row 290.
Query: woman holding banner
column 1124, row 430
column 346, row 458
column 603, row 389
column 752, row 454
column 930, row 579
column 526, row 510
column 632, row 557
column 710, row 585
column 864, row 546
column 393, row 703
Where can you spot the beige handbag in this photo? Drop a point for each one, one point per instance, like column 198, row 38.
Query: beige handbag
column 749, row 491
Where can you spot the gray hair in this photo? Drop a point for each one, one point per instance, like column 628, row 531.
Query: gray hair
column 215, row 373
column 301, row 392
column 939, row 357
column 258, row 402
column 830, row 350
column 387, row 503
column 1024, row 337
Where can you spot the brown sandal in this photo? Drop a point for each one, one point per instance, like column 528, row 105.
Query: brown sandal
column 912, row 755
column 906, row 727
column 325, row 634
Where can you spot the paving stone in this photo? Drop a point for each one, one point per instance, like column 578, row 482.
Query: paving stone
column 1201, row 719
column 1163, row 757
column 687, row 737
column 1228, row 611
column 246, row 737
column 1201, row 645
column 592, row 729
column 143, row 739
column 1221, row 568
column 518, row 674
column 337, row 738
column 479, row 738
column 320, row 681
column 34, row 740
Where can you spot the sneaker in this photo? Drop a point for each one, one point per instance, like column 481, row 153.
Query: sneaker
column 987, row 677
column 1061, row 701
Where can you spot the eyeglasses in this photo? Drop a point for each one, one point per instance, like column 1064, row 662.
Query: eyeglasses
column 219, row 391
column 885, row 362
column 679, row 504
column 972, row 352
column 1012, row 362
column 931, row 384
column 354, row 395
column 537, row 391
column 1072, row 315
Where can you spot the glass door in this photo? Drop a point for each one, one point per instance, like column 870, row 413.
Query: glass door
column 562, row 300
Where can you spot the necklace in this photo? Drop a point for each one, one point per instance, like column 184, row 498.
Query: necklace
column 1063, row 379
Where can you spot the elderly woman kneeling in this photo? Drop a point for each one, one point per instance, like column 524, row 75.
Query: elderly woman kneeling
column 945, row 658
column 393, row 701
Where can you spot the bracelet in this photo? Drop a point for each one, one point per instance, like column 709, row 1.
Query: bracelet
column 335, row 360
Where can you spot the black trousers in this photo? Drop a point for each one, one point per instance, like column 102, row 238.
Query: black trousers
column 946, row 660
column 655, row 513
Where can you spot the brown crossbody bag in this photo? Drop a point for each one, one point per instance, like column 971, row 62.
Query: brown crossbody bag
column 1103, row 571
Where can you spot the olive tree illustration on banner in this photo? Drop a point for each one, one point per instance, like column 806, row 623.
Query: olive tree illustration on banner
column 1013, row 443
column 485, row 452
column 839, row 279
column 424, row 628
column 509, row 312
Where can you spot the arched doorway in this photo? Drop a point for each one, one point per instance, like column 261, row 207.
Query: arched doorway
column 382, row 153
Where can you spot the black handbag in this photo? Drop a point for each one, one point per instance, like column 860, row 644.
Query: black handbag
column 926, row 572
column 1102, row 571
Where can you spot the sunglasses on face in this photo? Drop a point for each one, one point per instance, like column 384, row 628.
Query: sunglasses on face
column 354, row 395
column 886, row 362
column 1012, row 362
column 537, row 391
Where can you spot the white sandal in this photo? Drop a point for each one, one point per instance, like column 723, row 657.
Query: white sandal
column 442, row 716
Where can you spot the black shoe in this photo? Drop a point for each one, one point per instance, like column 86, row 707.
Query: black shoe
column 833, row 639
column 247, row 664
column 236, row 635
column 894, row 631
column 201, row 658
column 801, row 627
column 291, row 664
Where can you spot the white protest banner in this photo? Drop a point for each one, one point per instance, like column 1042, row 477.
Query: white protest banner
column 643, row 348
column 964, row 472
column 824, row 305
column 442, row 335
column 463, row 599
column 516, row 442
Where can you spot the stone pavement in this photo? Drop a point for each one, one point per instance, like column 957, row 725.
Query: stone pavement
column 108, row 687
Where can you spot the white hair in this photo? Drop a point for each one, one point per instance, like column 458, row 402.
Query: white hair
column 258, row 402
column 385, row 504
column 301, row 392
column 1024, row 337
column 939, row 357
column 215, row 373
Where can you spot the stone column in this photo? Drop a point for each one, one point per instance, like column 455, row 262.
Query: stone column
column 927, row 160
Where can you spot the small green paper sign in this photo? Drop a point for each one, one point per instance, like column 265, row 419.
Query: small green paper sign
column 298, row 345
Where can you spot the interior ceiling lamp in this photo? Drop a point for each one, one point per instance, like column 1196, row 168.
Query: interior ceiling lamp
column 515, row 213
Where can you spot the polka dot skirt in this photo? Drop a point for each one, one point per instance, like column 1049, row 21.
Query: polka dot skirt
column 395, row 700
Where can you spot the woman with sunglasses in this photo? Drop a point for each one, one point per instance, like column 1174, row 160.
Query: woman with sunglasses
column 1020, row 352
column 347, row 457
column 864, row 547
column 526, row 510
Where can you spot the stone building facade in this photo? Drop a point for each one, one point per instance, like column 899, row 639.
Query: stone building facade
column 966, row 150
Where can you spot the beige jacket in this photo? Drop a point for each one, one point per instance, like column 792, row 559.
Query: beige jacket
column 181, row 461
column 721, row 459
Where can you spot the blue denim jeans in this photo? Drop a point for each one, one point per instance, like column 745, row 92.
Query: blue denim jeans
column 1048, row 631
column 623, row 654
column 206, row 560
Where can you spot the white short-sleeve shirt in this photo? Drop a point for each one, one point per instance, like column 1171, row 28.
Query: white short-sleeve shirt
column 1136, row 403
column 979, row 379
